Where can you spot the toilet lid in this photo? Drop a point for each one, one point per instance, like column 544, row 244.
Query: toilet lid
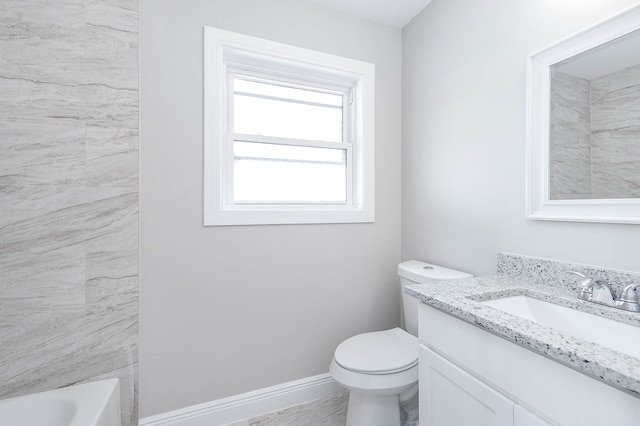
column 378, row 352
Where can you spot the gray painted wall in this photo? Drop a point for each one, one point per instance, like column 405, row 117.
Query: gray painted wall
column 463, row 147
column 226, row 310
column 69, row 195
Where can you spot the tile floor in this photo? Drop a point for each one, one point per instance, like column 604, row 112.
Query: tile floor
column 331, row 411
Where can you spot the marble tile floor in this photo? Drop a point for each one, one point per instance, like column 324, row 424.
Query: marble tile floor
column 330, row 411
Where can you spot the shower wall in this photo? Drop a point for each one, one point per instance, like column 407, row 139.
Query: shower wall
column 69, row 195
column 570, row 137
column 615, row 126
column 594, row 149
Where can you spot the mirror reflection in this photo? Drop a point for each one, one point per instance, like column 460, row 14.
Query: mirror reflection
column 594, row 139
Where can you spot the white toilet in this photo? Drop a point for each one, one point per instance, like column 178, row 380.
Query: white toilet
column 380, row 368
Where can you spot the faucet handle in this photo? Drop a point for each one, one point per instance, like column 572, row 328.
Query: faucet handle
column 586, row 286
column 629, row 299
column 629, row 294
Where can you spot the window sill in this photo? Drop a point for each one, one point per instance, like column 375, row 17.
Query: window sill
column 288, row 218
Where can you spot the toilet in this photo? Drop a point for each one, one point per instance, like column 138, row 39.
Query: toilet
column 380, row 368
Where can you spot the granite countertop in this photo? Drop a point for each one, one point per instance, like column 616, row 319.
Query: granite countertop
column 461, row 298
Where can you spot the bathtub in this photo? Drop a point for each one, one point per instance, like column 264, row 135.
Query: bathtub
column 91, row 404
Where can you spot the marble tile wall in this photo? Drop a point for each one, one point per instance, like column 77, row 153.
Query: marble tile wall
column 615, row 130
column 595, row 124
column 69, row 195
column 570, row 149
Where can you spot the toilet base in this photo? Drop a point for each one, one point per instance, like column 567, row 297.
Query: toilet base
column 373, row 410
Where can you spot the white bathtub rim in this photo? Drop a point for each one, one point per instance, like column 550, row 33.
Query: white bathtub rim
column 92, row 402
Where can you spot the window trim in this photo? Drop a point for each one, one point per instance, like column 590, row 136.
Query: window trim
column 227, row 52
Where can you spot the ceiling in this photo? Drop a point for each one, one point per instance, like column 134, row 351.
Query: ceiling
column 394, row 13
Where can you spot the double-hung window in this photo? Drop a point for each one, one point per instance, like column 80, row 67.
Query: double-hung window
column 288, row 134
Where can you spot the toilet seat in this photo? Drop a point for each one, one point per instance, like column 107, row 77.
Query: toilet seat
column 378, row 352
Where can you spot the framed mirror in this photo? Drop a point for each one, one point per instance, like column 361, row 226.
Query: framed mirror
column 583, row 125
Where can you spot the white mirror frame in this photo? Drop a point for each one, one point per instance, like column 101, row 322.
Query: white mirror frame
column 539, row 205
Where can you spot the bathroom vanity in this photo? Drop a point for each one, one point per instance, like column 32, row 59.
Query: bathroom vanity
column 481, row 365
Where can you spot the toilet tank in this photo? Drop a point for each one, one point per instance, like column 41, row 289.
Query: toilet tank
column 416, row 272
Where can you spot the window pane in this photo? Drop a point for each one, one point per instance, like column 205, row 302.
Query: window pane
column 282, row 173
column 272, row 110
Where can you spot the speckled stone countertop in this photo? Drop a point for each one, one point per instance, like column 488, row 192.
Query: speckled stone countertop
column 544, row 280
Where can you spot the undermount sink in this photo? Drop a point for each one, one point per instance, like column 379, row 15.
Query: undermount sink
column 618, row 336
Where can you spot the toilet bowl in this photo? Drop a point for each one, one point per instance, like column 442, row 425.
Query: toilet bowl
column 377, row 368
column 380, row 368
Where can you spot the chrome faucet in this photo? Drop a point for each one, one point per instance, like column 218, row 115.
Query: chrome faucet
column 598, row 291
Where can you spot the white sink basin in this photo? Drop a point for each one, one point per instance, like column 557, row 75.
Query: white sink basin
column 613, row 334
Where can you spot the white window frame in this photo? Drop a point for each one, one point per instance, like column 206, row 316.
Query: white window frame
column 227, row 53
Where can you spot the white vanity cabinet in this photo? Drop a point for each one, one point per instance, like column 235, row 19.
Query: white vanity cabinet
column 470, row 377
column 524, row 417
column 451, row 396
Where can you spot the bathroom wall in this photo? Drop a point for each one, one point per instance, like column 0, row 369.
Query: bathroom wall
column 463, row 146
column 226, row 310
column 69, row 195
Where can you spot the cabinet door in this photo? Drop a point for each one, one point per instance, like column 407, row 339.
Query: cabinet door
column 524, row 417
column 449, row 396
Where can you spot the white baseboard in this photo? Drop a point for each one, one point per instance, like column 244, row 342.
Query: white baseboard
column 248, row 405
